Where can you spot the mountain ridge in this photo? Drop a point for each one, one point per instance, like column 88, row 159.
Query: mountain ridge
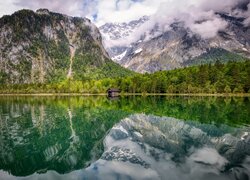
column 43, row 46
column 178, row 46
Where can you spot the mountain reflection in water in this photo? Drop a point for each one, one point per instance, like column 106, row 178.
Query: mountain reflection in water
column 130, row 138
column 168, row 148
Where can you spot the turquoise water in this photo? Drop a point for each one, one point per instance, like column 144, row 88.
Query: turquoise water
column 124, row 138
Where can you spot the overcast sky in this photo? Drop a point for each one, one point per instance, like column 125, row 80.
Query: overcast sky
column 99, row 11
column 102, row 11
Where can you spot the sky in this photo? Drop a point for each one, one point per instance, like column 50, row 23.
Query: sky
column 200, row 16
column 99, row 11
column 103, row 11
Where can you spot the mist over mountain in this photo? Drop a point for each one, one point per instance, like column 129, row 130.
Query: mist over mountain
column 182, row 34
column 115, row 33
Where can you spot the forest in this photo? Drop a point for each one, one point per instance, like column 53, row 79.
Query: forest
column 232, row 77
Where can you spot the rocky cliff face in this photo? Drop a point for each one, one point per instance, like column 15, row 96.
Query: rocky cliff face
column 179, row 47
column 42, row 46
column 114, row 33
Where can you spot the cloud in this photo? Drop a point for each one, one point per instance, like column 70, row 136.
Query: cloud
column 208, row 28
column 199, row 16
column 80, row 8
column 124, row 10
column 244, row 13
column 99, row 11
column 69, row 7
column 8, row 7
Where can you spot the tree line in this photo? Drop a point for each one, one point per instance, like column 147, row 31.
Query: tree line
column 232, row 77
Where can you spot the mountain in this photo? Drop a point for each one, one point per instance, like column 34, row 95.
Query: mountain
column 43, row 47
column 178, row 46
column 164, row 144
column 113, row 33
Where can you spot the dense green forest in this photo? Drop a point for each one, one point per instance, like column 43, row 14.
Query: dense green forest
column 232, row 77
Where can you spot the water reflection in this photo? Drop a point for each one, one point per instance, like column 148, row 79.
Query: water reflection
column 168, row 148
column 128, row 138
column 58, row 134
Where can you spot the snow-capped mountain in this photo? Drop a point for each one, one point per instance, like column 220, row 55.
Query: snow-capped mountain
column 114, row 33
column 146, row 47
column 179, row 47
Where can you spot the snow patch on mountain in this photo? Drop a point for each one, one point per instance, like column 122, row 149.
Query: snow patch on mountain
column 138, row 51
column 119, row 57
column 174, row 39
column 118, row 37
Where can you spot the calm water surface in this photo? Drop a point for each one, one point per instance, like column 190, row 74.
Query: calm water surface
column 127, row 138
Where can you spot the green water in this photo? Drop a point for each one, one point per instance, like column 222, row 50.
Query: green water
column 70, row 137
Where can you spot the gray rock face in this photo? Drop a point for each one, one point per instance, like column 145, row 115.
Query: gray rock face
column 179, row 47
column 37, row 47
column 113, row 33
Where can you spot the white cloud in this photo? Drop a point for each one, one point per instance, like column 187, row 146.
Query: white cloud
column 8, row 7
column 199, row 16
column 246, row 14
column 163, row 12
column 209, row 28
column 69, row 7
column 104, row 10
column 124, row 10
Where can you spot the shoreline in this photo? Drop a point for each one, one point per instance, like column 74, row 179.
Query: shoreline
column 130, row 94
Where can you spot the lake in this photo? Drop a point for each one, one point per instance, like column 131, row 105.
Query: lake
column 134, row 137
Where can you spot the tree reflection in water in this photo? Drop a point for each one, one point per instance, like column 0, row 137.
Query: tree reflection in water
column 52, row 135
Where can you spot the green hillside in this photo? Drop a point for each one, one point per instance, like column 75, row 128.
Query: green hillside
column 232, row 77
column 45, row 47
